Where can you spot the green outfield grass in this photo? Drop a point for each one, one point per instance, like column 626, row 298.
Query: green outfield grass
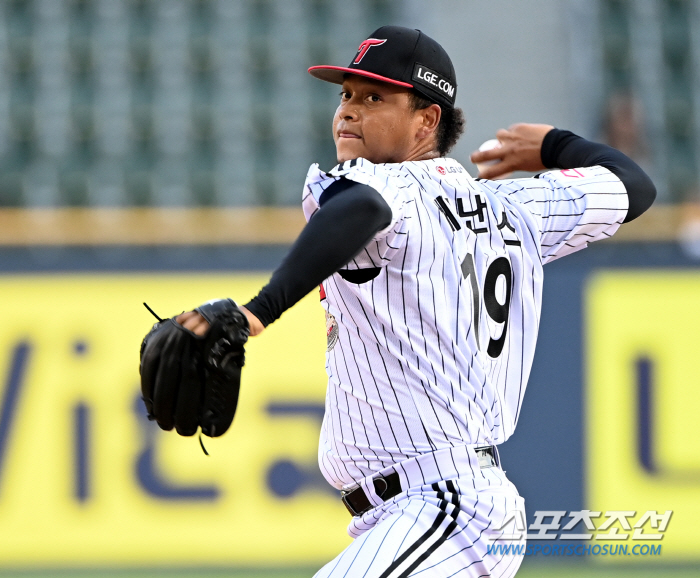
column 531, row 571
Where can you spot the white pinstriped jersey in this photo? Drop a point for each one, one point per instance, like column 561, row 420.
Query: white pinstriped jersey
column 435, row 351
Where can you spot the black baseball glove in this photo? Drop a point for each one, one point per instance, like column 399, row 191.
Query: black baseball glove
column 190, row 381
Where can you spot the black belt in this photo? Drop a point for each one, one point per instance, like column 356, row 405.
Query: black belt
column 389, row 486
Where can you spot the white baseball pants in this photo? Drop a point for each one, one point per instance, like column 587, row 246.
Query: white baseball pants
column 444, row 529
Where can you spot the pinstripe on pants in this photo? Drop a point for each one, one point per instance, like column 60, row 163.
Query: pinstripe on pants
column 438, row 530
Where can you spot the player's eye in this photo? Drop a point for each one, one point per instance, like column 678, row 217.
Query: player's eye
column 344, row 95
column 374, row 98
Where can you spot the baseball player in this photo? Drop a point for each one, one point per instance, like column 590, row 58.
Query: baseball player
column 431, row 281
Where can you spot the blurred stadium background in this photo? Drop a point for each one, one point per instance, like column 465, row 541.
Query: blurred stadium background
column 155, row 150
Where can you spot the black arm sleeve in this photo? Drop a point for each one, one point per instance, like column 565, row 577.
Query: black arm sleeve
column 350, row 215
column 563, row 149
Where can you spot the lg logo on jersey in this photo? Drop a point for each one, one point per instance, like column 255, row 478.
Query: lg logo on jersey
column 444, row 171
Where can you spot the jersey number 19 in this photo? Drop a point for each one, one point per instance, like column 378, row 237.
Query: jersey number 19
column 497, row 311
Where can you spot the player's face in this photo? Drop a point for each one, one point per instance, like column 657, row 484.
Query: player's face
column 375, row 121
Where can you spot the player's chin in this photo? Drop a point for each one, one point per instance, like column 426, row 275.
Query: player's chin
column 349, row 149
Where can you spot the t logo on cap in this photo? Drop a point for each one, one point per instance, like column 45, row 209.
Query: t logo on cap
column 365, row 46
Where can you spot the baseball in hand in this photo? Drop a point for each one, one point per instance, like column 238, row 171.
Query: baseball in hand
column 493, row 143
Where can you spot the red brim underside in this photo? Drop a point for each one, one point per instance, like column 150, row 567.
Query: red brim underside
column 336, row 75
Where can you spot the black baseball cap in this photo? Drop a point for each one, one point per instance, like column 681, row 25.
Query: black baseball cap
column 403, row 57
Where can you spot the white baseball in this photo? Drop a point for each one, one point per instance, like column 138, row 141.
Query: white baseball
column 493, row 143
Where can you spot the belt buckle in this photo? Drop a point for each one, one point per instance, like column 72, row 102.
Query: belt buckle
column 381, row 488
column 485, row 456
column 348, row 506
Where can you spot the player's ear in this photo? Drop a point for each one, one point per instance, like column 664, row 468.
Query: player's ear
column 429, row 120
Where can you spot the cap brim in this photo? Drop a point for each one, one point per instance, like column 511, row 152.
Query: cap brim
column 336, row 75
